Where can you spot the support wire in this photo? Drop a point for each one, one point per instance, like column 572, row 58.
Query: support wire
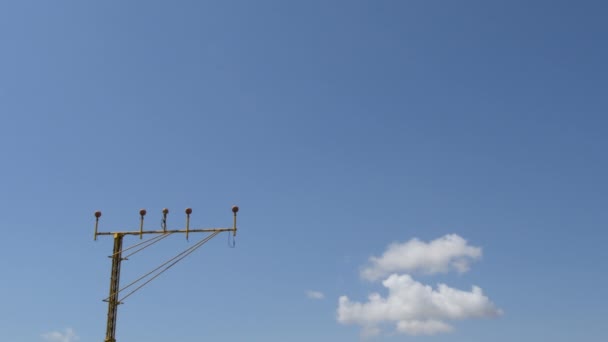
column 138, row 244
column 159, row 238
column 189, row 251
column 179, row 257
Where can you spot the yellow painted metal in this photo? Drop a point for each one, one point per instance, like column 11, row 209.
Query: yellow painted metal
column 205, row 230
column 114, row 286
column 113, row 300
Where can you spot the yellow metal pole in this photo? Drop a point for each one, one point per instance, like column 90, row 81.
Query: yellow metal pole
column 114, row 287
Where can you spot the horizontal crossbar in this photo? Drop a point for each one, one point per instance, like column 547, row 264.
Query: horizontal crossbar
column 206, row 230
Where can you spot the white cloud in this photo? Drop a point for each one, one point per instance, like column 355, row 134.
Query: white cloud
column 430, row 327
column 370, row 331
column 315, row 294
column 56, row 336
column 415, row 308
column 450, row 252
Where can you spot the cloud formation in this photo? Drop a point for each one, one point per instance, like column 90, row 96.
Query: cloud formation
column 315, row 294
column 450, row 252
column 415, row 308
column 56, row 336
column 412, row 307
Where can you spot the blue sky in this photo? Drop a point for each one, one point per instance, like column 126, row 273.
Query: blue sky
column 339, row 128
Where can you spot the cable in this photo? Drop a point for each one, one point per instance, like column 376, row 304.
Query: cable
column 192, row 249
column 138, row 244
column 188, row 251
column 159, row 238
column 168, row 261
column 233, row 244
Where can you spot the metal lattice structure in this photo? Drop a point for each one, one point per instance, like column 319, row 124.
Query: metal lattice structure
column 158, row 235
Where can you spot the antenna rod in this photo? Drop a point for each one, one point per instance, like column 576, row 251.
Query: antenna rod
column 188, row 212
column 235, row 210
column 142, row 213
column 165, row 212
column 97, row 216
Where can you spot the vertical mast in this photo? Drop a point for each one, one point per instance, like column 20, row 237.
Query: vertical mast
column 114, row 287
